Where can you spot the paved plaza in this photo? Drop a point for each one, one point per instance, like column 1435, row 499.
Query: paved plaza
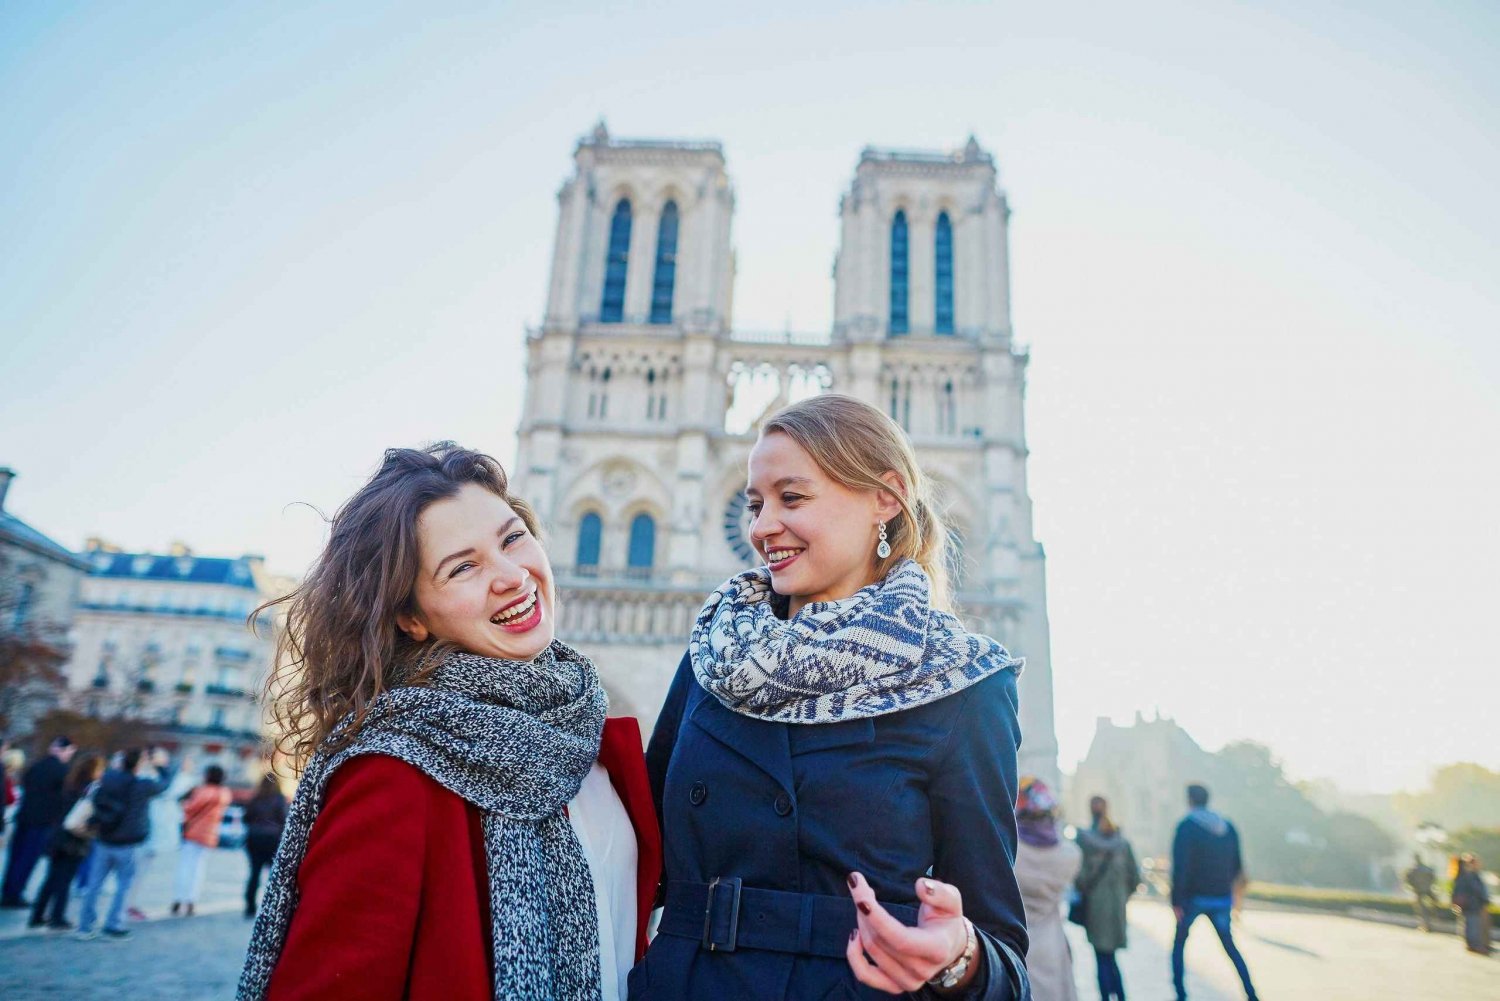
column 1294, row 956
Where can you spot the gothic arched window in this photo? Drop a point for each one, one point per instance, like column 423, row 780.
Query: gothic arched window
column 642, row 555
column 616, row 262
column 666, row 265
column 943, row 251
column 899, row 275
column 590, row 530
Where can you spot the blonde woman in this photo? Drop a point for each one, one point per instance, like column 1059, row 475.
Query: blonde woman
column 836, row 759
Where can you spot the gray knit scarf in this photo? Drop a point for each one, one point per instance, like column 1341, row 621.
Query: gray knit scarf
column 516, row 740
column 881, row 650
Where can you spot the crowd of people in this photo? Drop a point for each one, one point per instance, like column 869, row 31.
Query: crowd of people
column 82, row 817
column 829, row 805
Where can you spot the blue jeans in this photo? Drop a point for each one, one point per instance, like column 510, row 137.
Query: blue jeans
column 119, row 859
column 1217, row 909
column 27, row 844
column 1111, row 985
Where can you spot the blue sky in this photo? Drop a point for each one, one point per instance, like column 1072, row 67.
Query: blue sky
column 1253, row 256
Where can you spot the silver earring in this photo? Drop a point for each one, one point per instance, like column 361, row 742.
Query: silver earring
column 882, row 548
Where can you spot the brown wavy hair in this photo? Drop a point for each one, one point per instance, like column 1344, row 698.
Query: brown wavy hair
column 856, row 444
column 339, row 646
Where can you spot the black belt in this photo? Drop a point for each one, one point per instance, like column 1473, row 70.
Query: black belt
column 725, row 915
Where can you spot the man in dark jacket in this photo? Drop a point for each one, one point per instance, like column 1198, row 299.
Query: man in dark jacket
column 123, row 819
column 1206, row 870
column 41, row 811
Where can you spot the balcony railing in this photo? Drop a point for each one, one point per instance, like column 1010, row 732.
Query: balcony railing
column 225, row 690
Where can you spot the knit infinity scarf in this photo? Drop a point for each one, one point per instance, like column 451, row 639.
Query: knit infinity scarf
column 516, row 740
column 881, row 650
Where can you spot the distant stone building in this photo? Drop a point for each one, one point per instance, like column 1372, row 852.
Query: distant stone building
column 643, row 399
column 1143, row 770
column 39, row 583
column 164, row 639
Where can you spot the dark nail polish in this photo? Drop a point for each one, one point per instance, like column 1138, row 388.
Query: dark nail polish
column 852, row 881
column 864, row 908
column 853, row 934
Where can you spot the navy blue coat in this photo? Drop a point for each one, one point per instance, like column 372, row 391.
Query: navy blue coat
column 796, row 807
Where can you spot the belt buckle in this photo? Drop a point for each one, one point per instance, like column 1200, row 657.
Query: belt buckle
column 732, row 882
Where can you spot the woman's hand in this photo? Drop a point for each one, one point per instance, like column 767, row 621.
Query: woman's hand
column 892, row 957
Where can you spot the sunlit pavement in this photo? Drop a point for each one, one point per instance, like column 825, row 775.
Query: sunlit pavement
column 165, row 959
column 1295, row 956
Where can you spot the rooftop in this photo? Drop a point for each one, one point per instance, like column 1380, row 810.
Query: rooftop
column 969, row 154
column 235, row 572
column 601, row 139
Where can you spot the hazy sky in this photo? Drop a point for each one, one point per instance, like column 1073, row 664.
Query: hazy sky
column 1254, row 250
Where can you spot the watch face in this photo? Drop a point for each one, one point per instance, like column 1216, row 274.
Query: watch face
column 734, row 530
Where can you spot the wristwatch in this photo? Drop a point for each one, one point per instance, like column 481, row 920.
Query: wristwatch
column 954, row 971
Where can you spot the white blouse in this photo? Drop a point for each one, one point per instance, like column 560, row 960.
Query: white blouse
column 603, row 828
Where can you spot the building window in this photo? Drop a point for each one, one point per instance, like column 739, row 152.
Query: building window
column 642, row 543
column 899, row 274
column 666, row 266
column 612, row 309
column 23, row 606
column 943, row 320
column 590, row 530
column 948, row 410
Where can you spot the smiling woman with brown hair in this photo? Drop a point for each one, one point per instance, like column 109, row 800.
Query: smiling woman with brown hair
column 468, row 824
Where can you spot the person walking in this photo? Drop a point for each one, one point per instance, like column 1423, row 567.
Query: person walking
column 41, row 810
column 1206, row 871
column 836, row 757
column 265, row 816
column 1046, row 866
column 68, row 847
column 121, row 813
column 202, row 812
column 1471, row 898
column 1420, row 879
column 1105, row 883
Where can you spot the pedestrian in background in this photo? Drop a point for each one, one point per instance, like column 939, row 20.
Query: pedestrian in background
column 202, row 813
column 1420, row 879
column 12, row 760
column 165, row 837
column 69, row 846
column 1206, row 871
column 121, row 813
column 1471, row 898
column 265, row 816
column 40, row 812
column 1105, row 882
column 1046, row 866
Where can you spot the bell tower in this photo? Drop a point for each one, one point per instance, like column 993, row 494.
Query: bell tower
column 642, row 398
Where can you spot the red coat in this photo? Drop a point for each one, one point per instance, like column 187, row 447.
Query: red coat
column 394, row 892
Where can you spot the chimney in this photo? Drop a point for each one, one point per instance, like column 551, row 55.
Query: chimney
column 6, row 475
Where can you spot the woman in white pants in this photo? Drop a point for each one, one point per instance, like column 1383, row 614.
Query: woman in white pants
column 202, row 811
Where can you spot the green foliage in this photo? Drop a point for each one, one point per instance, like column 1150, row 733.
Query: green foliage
column 1481, row 841
column 1461, row 795
column 1284, row 835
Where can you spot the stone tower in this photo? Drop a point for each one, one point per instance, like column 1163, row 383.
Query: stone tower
column 642, row 398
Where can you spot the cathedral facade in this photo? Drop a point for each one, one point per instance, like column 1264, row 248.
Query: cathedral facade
column 642, row 398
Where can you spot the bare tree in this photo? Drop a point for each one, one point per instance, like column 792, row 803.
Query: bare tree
column 33, row 649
